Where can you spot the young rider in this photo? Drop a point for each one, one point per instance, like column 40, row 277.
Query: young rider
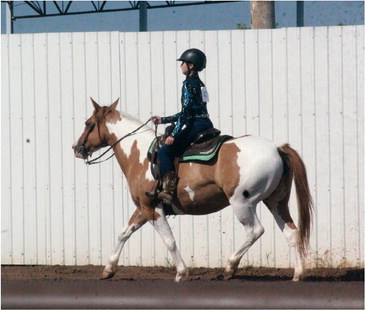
column 190, row 121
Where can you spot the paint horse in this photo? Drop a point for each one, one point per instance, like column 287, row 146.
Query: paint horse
column 248, row 170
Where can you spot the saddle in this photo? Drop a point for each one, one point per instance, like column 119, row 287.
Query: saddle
column 203, row 150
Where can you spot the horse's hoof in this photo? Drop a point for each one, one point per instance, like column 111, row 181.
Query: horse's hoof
column 228, row 276
column 297, row 278
column 107, row 275
column 229, row 272
column 180, row 277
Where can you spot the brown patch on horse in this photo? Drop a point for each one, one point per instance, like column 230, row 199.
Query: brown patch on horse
column 135, row 172
column 227, row 162
column 137, row 218
column 280, row 197
column 197, row 182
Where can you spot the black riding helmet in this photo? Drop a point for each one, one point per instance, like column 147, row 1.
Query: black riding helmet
column 196, row 57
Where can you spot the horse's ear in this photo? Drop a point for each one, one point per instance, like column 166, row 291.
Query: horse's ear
column 114, row 104
column 96, row 106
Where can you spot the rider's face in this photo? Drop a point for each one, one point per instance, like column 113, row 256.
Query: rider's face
column 185, row 67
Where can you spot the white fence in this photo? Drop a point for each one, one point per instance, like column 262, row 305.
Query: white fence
column 304, row 86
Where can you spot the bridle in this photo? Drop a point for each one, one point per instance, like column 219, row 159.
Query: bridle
column 95, row 160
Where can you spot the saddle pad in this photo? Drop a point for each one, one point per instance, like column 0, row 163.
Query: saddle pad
column 206, row 152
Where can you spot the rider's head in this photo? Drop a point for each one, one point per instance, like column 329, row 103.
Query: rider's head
column 194, row 59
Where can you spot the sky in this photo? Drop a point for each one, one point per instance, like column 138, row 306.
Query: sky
column 203, row 17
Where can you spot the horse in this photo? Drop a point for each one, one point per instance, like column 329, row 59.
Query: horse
column 248, row 170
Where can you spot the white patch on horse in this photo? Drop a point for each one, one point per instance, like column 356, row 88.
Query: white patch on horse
column 126, row 126
column 190, row 192
column 120, row 130
column 290, row 234
column 149, row 175
column 260, row 155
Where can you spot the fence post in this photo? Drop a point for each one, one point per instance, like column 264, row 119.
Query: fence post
column 262, row 14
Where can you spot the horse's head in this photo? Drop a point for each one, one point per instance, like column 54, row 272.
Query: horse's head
column 96, row 134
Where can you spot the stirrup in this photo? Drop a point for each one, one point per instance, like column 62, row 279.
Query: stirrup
column 165, row 197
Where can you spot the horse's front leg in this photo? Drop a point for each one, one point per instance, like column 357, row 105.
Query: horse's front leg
column 136, row 221
column 163, row 228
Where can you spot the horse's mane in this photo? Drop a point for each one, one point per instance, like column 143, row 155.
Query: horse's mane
column 135, row 120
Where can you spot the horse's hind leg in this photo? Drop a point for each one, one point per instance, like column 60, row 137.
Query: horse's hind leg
column 280, row 210
column 136, row 221
column 163, row 228
column 246, row 214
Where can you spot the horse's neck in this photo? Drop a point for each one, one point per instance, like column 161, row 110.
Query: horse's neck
column 135, row 145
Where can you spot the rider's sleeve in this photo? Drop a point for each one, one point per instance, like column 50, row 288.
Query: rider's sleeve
column 191, row 96
column 170, row 119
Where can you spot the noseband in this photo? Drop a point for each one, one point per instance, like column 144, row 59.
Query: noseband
column 94, row 161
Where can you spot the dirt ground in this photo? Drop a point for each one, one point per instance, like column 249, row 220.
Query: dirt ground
column 79, row 287
column 90, row 272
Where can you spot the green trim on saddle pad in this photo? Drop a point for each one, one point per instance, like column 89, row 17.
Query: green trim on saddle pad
column 205, row 157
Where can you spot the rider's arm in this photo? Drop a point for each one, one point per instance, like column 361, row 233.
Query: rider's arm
column 170, row 119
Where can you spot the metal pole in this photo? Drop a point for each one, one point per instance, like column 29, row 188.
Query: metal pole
column 262, row 14
column 9, row 18
column 142, row 15
column 300, row 13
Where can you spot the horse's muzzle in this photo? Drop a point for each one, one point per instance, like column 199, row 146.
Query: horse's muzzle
column 80, row 151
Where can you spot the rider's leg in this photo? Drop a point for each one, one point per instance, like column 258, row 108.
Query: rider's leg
column 166, row 157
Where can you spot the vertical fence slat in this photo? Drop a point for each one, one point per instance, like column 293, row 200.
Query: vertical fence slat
column 55, row 150
column 335, row 145
column 67, row 139
column 349, row 141
column 30, row 211
column 322, row 140
column 17, row 151
column 360, row 139
column 6, row 176
column 41, row 167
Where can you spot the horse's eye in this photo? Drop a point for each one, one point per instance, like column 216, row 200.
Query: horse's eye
column 87, row 124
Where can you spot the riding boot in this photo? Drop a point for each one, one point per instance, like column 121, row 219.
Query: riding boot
column 169, row 186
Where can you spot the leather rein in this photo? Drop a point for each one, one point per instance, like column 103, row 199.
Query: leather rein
column 95, row 160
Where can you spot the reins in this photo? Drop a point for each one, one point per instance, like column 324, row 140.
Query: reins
column 94, row 161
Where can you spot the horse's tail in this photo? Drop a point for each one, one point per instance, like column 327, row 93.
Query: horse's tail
column 294, row 165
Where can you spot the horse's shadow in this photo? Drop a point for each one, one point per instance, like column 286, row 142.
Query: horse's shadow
column 312, row 276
